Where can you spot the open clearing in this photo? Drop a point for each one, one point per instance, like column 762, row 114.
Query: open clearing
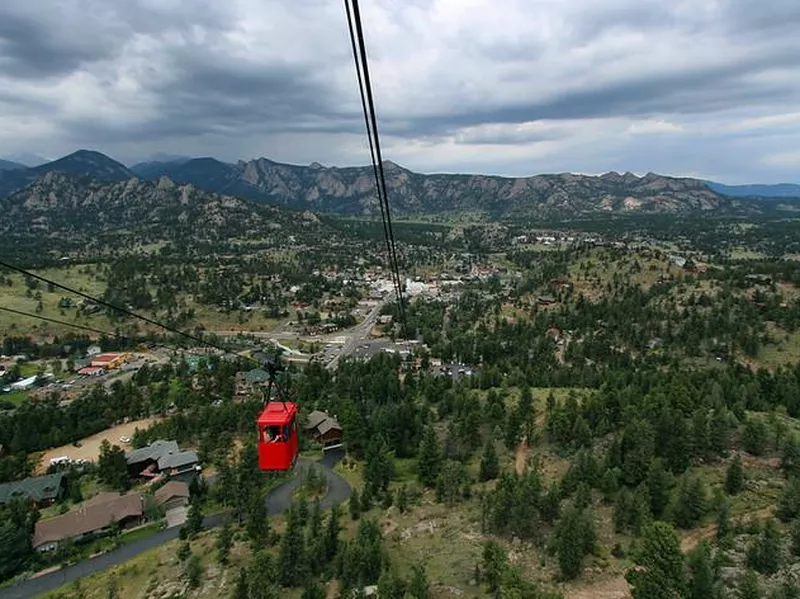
column 90, row 446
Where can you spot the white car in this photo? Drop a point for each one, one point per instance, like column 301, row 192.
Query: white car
column 125, row 440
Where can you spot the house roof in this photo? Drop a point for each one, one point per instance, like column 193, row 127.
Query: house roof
column 177, row 460
column 165, row 453
column 256, row 376
column 109, row 357
column 315, row 418
column 327, row 425
column 89, row 516
column 172, row 489
column 154, row 451
column 39, row 488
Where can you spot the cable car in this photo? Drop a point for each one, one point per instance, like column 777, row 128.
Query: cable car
column 278, row 444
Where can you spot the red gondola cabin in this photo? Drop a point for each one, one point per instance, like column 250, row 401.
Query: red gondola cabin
column 277, row 436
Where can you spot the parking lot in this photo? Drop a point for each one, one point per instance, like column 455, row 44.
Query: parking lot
column 89, row 449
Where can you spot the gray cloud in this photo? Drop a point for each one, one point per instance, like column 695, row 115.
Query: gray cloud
column 508, row 86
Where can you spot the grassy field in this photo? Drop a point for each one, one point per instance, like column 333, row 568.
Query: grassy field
column 16, row 297
column 15, row 397
column 785, row 351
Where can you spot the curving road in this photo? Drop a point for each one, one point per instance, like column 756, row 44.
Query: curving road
column 277, row 500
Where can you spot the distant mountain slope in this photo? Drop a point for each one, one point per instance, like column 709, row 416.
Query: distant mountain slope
column 351, row 190
column 67, row 207
column 7, row 165
column 89, row 163
column 82, row 163
column 26, row 159
column 780, row 190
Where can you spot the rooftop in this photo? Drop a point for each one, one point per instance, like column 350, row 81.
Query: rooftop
column 39, row 488
column 172, row 489
column 166, row 454
column 92, row 515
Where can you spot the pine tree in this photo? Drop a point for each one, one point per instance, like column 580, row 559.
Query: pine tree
column 430, row 458
column 292, row 557
column 257, row 524
column 312, row 590
column 659, row 484
column 240, row 591
column 749, row 587
column 332, row 534
column 262, row 577
column 490, row 463
column 790, row 458
column 795, row 537
column 418, row 587
column 194, row 519
column 391, row 585
column 723, row 522
column 734, row 476
column 315, row 522
column 194, row 571
column 789, row 500
column 764, row 554
column 355, row 505
column 661, row 574
column 575, row 538
column 691, row 503
column 495, row 563
column 366, row 499
column 184, row 551
column 402, row 499
column 224, row 542
column 701, row 573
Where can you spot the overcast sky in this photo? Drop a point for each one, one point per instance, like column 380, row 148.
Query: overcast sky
column 707, row 88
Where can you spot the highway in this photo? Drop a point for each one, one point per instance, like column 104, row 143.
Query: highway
column 355, row 336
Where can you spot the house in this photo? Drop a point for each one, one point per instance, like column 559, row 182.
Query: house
column 546, row 300
column 108, row 361
column 25, row 384
column 325, row 429
column 679, row 261
column 161, row 457
column 91, row 518
column 248, row 382
column 91, row 371
column 173, row 494
column 41, row 490
column 82, row 363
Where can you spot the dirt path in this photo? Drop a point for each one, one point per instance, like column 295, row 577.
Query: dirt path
column 691, row 540
column 90, row 446
column 614, row 588
column 521, row 456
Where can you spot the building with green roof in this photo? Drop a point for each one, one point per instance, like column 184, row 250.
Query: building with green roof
column 41, row 490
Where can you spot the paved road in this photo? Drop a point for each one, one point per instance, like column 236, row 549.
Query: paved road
column 278, row 500
column 356, row 335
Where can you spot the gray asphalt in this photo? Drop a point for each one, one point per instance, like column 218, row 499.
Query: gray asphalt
column 277, row 500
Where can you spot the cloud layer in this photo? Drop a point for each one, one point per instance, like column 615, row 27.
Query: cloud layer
column 706, row 88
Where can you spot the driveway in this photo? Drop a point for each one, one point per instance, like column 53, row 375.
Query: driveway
column 277, row 500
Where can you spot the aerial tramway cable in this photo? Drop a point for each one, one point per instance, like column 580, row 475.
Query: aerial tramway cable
column 121, row 310
column 368, row 106
column 61, row 322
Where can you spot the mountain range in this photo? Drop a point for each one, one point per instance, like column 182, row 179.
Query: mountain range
column 59, row 209
column 779, row 190
column 351, row 190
